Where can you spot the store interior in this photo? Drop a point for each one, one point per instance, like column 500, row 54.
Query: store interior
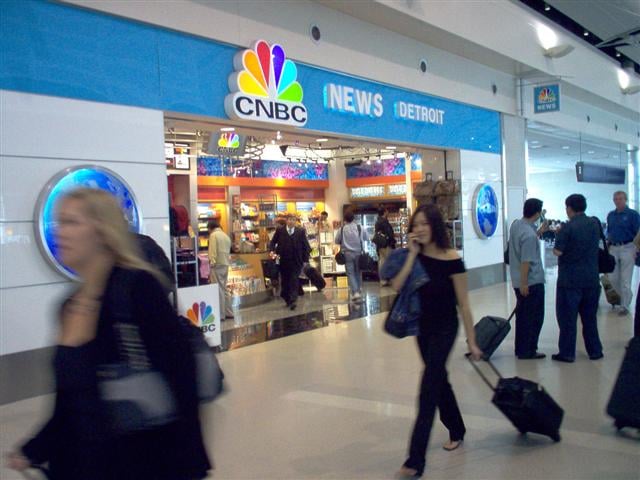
column 249, row 178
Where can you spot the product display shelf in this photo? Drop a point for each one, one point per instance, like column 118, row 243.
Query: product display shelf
column 184, row 258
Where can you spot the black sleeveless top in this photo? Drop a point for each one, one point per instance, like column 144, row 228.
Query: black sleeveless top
column 438, row 297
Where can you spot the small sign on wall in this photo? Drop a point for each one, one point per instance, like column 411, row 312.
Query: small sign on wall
column 201, row 305
column 546, row 98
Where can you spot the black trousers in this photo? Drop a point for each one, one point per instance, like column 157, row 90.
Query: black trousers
column 435, row 392
column 529, row 319
column 289, row 273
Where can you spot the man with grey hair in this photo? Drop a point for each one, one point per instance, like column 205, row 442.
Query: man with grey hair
column 622, row 227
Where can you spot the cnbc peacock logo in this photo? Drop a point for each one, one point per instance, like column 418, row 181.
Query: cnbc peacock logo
column 229, row 140
column 264, row 87
column 546, row 95
column 201, row 315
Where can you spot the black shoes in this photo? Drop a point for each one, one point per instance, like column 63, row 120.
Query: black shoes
column 292, row 306
column 535, row 356
column 559, row 358
column 596, row 357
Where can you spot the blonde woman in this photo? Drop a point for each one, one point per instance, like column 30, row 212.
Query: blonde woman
column 94, row 241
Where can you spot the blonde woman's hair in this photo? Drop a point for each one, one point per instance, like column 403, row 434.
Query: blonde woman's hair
column 113, row 229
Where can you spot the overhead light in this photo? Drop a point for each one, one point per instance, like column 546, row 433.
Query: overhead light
column 624, row 80
column 591, row 152
column 558, row 51
column 278, row 136
column 547, row 7
column 566, row 147
column 533, row 142
column 618, row 54
column 586, row 34
column 227, row 129
column 273, row 142
column 321, row 140
column 390, row 147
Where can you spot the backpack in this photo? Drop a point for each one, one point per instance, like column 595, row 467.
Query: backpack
column 179, row 220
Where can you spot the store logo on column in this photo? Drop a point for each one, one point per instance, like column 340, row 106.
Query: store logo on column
column 264, row 87
column 201, row 315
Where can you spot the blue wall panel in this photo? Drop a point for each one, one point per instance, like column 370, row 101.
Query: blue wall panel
column 59, row 50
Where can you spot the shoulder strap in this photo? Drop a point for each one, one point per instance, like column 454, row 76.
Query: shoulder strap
column 602, row 237
column 360, row 237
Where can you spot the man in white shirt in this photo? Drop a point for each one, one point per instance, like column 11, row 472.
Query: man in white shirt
column 219, row 253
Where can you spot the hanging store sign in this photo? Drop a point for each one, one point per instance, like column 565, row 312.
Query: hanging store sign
column 69, row 179
column 485, row 211
column 397, row 190
column 264, row 87
column 546, row 98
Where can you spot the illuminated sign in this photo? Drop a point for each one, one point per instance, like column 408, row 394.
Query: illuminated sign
column 546, row 98
column 399, row 189
column 352, row 101
column 264, row 87
column 85, row 176
column 485, row 211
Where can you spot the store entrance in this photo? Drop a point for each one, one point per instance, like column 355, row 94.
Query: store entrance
column 248, row 179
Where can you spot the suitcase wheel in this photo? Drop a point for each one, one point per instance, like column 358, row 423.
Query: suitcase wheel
column 556, row 438
column 619, row 425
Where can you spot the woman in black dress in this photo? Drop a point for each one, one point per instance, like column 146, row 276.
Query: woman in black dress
column 440, row 297
column 76, row 444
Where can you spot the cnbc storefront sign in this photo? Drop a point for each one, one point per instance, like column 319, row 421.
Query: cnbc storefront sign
column 84, row 176
column 485, row 211
column 264, row 87
column 546, row 98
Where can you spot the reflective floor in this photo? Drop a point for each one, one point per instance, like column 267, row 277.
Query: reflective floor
column 338, row 402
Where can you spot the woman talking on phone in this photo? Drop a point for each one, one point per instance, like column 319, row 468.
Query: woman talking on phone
column 430, row 255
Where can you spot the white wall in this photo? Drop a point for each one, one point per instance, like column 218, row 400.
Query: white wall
column 39, row 136
column 478, row 168
column 554, row 188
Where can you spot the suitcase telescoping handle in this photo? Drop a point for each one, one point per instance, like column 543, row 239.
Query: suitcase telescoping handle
column 512, row 313
column 482, row 375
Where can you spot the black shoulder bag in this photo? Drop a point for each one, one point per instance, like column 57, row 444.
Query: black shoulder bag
column 340, row 258
column 606, row 261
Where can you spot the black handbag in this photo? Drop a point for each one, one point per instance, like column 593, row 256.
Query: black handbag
column 606, row 261
column 340, row 258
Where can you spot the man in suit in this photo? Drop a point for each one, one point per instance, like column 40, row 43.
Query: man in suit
column 292, row 247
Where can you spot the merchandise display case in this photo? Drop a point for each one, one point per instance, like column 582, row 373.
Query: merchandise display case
column 254, row 224
column 400, row 222
column 206, row 212
column 246, row 282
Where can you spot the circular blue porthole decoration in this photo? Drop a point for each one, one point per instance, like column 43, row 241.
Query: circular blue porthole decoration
column 83, row 176
column 485, row 211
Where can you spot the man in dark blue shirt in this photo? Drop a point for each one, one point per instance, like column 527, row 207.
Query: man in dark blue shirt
column 622, row 226
column 578, row 288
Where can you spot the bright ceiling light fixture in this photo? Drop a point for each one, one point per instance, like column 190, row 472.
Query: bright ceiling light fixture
column 227, row 129
column 321, row 140
column 624, row 80
column 550, row 42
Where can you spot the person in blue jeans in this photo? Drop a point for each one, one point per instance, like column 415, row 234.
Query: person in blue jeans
column 351, row 238
column 578, row 288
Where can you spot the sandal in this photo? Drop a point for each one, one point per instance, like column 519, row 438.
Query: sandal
column 452, row 445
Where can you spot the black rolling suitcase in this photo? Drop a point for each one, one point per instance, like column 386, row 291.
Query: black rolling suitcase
column 526, row 404
column 491, row 331
column 315, row 277
column 624, row 404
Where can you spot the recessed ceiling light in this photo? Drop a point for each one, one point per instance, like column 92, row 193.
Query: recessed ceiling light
column 227, row 129
column 390, row 147
column 320, row 140
column 547, row 7
column 618, row 54
column 566, row 147
column 586, row 34
column 591, row 152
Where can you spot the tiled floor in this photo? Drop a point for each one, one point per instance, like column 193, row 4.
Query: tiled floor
column 338, row 403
